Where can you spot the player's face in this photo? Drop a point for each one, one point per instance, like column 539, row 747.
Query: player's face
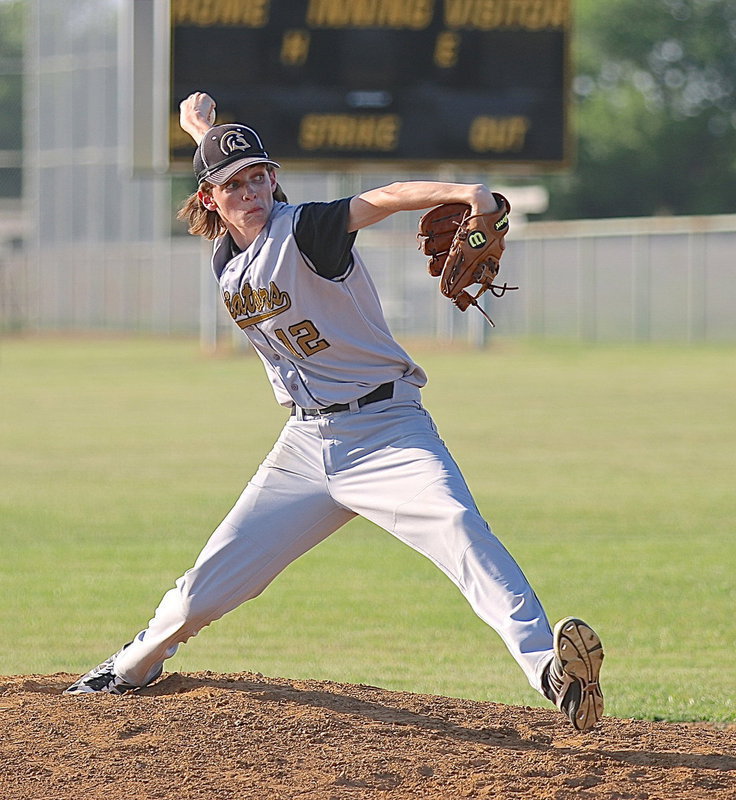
column 244, row 203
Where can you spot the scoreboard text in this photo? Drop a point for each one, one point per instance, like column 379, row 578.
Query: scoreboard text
column 329, row 81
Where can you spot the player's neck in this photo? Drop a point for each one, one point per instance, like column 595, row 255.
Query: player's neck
column 243, row 239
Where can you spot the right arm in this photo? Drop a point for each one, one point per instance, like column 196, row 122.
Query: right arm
column 197, row 115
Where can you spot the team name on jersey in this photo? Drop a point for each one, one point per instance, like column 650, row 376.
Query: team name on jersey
column 250, row 306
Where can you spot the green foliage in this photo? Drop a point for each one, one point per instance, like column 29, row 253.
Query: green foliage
column 607, row 471
column 11, row 29
column 655, row 92
column 11, row 91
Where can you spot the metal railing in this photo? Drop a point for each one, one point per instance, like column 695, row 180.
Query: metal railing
column 654, row 279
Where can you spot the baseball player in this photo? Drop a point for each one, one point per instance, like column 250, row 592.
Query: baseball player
column 358, row 439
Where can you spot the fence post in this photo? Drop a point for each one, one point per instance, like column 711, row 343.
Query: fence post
column 696, row 285
column 207, row 300
column 587, row 285
column 641, row 288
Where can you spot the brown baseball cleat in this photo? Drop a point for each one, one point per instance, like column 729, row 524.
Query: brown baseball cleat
column 571, row 679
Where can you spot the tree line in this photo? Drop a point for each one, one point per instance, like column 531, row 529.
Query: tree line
column 654, row 108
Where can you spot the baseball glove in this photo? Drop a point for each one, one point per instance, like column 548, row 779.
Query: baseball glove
column 465, row 250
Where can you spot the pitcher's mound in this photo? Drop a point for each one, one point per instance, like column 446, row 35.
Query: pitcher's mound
column 247, row 737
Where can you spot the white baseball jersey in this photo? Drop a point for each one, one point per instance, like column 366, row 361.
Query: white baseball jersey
column 310, row 308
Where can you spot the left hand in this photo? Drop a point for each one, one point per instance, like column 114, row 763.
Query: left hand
column 482, row 201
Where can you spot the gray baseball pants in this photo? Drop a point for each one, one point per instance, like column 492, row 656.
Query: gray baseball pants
column 385, row 462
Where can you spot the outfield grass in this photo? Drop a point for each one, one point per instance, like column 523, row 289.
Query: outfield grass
column 608, row 471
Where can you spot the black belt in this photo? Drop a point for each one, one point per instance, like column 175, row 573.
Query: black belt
column 383, row 392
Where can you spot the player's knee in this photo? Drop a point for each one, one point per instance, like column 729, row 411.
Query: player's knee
column 468, row 526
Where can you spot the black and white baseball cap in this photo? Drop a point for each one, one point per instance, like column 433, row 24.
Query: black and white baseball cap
column 225, row 150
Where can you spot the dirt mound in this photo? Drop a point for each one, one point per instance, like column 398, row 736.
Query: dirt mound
column 242, row 737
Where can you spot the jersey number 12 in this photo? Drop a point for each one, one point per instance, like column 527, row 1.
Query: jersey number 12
column 306, row 339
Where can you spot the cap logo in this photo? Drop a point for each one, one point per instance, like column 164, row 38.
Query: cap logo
column 232, row 141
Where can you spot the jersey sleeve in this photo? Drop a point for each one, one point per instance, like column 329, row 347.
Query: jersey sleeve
column 321, row 232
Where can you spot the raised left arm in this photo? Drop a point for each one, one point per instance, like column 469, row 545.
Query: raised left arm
column 374, row 205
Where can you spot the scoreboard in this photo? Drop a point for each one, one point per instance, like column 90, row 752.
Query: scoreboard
column 327, row 82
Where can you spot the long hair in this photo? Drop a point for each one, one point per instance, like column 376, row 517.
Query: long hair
column 203, row 222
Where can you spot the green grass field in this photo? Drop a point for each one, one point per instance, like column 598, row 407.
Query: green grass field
column 607, row 470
